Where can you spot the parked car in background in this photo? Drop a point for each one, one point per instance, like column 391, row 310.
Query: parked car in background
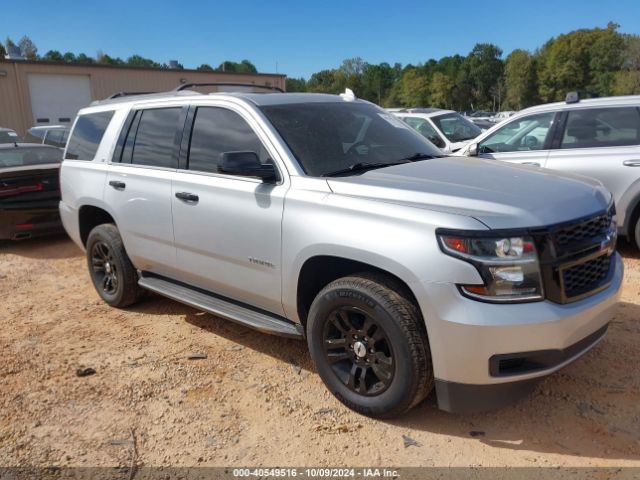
column 29, row 190
column 446, row 129
column 501, row 116
column 9, row 136
column 55, row 135
column 326, row 218
column 598, row 138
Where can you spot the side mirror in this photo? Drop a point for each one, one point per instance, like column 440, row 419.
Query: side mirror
column 473, row 150
column 246, row 164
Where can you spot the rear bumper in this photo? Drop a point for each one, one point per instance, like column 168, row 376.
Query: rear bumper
column 487, row 355
column 19, row 224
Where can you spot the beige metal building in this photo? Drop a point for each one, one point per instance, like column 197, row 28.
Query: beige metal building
column 46, row 93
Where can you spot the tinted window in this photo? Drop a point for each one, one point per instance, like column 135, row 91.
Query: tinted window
column 456, row 128
column 521, row 135
column 218, row 130
column 9, row 136
column 602, row 127
column 424, row 128
column 87, row 135
column 155, row 138
column 316, row 134
column 22, row 157
column 56, row 138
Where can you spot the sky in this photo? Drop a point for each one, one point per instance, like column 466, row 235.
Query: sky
column 301, row 37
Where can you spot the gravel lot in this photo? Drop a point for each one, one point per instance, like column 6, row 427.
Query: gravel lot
column 255, row 399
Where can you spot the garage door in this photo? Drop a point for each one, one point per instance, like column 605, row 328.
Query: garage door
column 55, row 99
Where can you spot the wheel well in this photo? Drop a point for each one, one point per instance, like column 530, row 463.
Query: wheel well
column 89, row 218
column 635, row 215
column 318, row 272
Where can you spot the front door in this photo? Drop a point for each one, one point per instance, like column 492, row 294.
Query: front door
column 227, row 228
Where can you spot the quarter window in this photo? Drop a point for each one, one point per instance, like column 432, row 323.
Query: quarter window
column 155, row 138
column 602, row 127
column 521, row 135
column 87, row 135
column 216, row 131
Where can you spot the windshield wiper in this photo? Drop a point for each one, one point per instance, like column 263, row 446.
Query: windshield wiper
column 363, row 167
column 419, row 156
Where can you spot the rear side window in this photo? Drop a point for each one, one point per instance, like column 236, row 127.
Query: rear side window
column 152, row 138
column 57, row 138
column 87, row 135
column 218, row 130
column 602, row 127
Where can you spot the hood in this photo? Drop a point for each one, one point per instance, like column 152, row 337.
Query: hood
column 499, row 194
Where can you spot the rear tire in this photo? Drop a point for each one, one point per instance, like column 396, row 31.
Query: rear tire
column 637, row 233
column 112, row 273
column 369, row 344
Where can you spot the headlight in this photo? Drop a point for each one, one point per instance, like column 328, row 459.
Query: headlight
column 508, row 266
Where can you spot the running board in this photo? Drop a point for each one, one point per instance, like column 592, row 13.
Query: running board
column 194, row 297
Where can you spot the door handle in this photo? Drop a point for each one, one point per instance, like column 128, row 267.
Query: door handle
column 631, row 163
column 187, row 197
column 534, row 164
column 117, row 185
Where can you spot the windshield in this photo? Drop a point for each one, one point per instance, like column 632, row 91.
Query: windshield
column 9, row 136
column 25, row 156
column 329, row 137
column 455, row 127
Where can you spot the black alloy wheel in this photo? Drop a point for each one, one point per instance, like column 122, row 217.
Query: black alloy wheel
column 359, row 351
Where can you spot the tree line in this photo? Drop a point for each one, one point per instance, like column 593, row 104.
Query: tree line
column 28, row 50
column 595, row 62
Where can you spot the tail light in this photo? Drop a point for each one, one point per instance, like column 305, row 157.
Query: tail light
column 11, row 190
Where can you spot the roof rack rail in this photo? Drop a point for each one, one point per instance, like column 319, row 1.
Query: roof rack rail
column 184, row 86
column 127, row 94
column 572, row 97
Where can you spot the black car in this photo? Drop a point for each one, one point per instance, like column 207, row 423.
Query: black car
column 29, row 190
column 9, row 136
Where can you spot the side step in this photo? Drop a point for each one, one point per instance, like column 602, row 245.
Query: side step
column 254, row 318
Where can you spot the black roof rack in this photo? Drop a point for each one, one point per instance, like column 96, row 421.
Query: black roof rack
column 572, row 97
column 226, row 84
column 126, row 94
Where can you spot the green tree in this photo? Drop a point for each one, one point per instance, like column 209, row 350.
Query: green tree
column 104, row 59
column 324, row 81
column 414, row 89
column 482, row 69
column 442, row 90
column 245, row 66
column 205, row 67
column 520, row 80
column 84, row 59
column 377, row 81
column 138, row 61
column 3, row 52
column 53, row 56
column 69, row 57
column 627, row 80
column 584, row 60
column 9, row 44
column 296, row 85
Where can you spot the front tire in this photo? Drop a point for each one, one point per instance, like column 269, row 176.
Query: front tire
column 112, row 273
column 636, row 235
column 369, row 344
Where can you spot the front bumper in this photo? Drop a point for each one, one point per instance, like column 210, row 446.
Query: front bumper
column 467, row 336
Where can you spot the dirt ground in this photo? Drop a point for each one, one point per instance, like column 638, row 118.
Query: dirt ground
column 255, row 400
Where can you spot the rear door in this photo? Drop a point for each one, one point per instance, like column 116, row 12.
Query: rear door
column 138, row 187
column 525, row 140
column 603, row 143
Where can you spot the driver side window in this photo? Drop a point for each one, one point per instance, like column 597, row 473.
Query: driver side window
column 521, row 135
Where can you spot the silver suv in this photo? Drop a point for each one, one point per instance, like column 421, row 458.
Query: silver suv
column 599, row 138
column 326, row 218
